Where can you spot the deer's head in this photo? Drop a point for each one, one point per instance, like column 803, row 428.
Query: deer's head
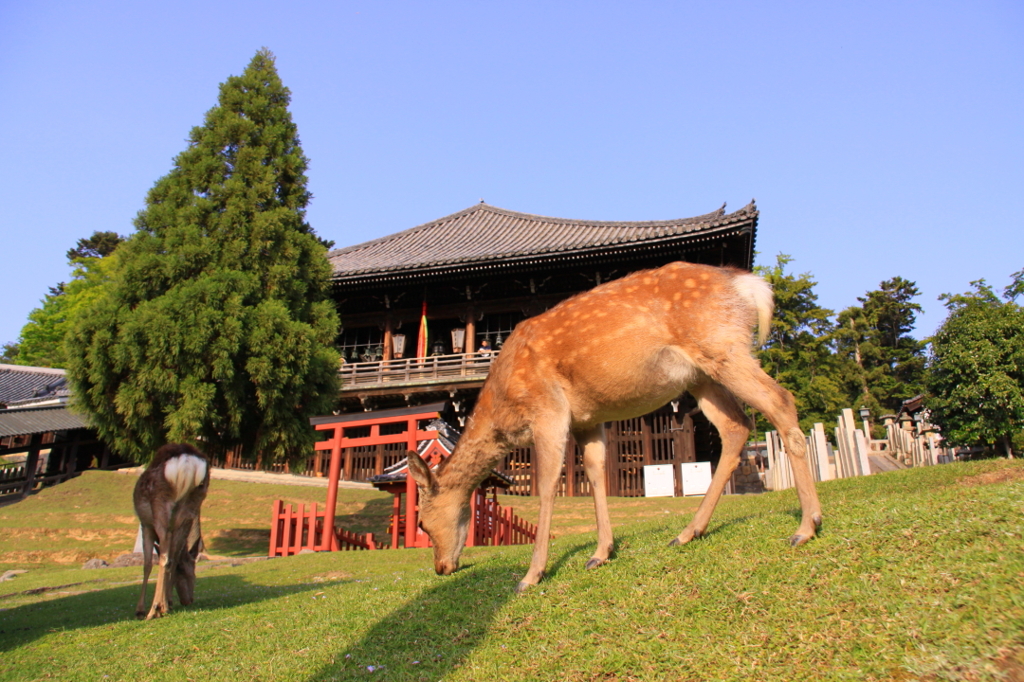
column 444, row 515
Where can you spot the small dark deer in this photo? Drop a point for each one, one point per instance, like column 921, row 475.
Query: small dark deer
column 616, row 352
column 167, row 499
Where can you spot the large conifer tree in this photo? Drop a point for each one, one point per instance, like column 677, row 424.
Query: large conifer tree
column 217, row 324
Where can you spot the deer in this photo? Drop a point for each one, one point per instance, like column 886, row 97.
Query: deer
column 167, row 499
column 618, row 351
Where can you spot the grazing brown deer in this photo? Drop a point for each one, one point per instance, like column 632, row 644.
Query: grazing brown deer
column 616, row 352
column 167, row 499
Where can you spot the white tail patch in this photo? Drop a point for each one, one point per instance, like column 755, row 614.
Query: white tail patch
column 759, row 293
column 184, row 473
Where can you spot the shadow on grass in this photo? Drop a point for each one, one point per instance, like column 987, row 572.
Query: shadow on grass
column 24, row 624
column 435, row 631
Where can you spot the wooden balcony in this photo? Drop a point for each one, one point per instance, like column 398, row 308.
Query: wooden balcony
column 469, row 368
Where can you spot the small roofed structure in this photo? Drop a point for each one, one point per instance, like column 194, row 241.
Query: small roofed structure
column 489, row 523
column 41, row 441
column 421, row 430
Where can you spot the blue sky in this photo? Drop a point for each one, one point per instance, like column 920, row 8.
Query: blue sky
column 879, row 138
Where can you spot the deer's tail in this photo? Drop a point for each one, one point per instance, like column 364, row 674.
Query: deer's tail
column 757, row 292
column 184, row 472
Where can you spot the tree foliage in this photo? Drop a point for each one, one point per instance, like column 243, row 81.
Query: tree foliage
column 874, row 340
column 217, row 323
column 9, row 353
column 98, row 245
column 41, row 343
column 976, row 372
column 798, row 353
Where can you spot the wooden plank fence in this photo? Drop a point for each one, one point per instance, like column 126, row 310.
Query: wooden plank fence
column 851, row 456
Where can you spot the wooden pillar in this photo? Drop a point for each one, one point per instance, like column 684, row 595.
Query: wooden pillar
column 389, row 351
column 332, row 488
column 646, row 439
column 71, row 454
column 32, row 463
column 470, row 332
column 611, row 463
column 570, row 466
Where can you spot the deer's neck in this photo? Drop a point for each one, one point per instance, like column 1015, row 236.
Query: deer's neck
column 481, row 448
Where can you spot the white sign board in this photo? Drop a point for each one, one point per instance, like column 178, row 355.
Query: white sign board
column 696, row 477
column 659, row 481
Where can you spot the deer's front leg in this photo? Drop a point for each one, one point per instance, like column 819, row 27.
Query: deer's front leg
column 548, row 452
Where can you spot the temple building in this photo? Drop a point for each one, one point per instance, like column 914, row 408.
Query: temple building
column 425, row 312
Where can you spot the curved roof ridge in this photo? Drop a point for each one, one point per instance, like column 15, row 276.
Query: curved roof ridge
column 483, row 233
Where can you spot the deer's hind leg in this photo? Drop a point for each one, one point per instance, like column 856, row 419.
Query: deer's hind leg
column 733, row 425
column 594, row 448
column 166, row 535
column 148, row 539
column 753, row 386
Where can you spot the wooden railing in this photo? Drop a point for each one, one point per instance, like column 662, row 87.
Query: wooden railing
column 292, row 531
column 415, row 371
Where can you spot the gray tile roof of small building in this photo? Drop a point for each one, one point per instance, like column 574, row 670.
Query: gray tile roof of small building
column 20, row 383
column 484, row 233
column 29, row 420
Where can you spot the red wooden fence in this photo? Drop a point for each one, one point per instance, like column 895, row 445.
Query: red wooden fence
column 292, row 531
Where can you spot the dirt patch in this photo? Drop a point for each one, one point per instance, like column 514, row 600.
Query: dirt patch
column 103, row 519
column 237, row 534
column 56, row 534
column 1011, row 665
column 989, row 477
column 61, row 557
column 331, row 577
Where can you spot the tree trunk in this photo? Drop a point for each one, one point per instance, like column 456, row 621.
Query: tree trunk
column 1007, row 446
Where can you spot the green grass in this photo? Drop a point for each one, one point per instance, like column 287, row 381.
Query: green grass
column 917, row 575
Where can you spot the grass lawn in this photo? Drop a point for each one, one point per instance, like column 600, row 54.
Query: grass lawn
column 918, row 575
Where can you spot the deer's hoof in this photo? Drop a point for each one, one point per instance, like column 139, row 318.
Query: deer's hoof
column 593, row 563
column 798, row 539
column 685, row 537
column 523, row 587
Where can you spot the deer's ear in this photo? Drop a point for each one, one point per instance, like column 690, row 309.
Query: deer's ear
column 421, row 473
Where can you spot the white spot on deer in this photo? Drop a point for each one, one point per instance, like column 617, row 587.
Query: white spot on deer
column 184, row 473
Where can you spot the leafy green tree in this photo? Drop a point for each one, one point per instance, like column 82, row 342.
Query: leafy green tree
column 217, row 323
column 41, row 343
column 9, row 353
column 100, row 244
column 798, row 352
column 976, row 366
column 874, row 339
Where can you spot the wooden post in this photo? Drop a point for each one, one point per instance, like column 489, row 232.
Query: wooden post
column 470, row 332
column 570, row 466
column 388, row 344
column 32, row 463
column 646, row 439
column 332, row 484
column 275, row 524
column 396, row 518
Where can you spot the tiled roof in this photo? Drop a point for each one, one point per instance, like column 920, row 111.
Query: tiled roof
column 29, row 420
column 19, row 383
column 484, row 233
